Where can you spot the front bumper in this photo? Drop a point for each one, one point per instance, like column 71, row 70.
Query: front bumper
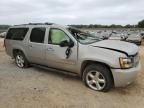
column 124, row 77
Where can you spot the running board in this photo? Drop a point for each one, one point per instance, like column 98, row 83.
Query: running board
column 55, row 70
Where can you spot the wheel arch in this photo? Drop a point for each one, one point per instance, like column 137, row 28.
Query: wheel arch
column 89, row 62
column 16, row 51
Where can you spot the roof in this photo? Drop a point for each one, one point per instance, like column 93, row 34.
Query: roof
column 35, row 24
column 38, row 25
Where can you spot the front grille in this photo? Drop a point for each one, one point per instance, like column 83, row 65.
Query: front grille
column 136, row 54
column 135, row 59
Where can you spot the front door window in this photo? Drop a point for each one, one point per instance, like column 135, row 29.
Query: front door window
column 57, row 36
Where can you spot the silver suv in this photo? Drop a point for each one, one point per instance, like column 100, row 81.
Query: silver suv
column 101, row 64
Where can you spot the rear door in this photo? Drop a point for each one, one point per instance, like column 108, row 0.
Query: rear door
column 55, row 55
column 36, row 46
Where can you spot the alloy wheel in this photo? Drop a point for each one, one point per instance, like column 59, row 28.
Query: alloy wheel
column 20, row 61
column 95, row 80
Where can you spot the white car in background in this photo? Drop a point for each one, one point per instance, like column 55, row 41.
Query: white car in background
column 117, row 36
column 142, row 34
column 3, row 34
column 134, row 38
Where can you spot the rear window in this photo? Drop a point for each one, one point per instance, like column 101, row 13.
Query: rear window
column 17, row 33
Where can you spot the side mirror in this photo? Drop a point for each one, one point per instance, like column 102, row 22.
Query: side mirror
column 65, row 43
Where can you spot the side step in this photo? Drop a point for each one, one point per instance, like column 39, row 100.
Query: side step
column 55, row 70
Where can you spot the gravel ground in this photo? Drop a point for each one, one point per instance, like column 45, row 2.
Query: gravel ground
column 39, row 88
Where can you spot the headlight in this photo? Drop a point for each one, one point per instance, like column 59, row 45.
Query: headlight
column 125, row 62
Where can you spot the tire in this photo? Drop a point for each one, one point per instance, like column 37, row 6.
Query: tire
column 21, row 60
column 98, row 77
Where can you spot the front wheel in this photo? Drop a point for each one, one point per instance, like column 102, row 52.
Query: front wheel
column 97, row 77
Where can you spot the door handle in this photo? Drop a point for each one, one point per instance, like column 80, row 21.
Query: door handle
column 30, row 45
column 50, row 49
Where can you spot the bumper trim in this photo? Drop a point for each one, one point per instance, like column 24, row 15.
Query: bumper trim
column 123, row 77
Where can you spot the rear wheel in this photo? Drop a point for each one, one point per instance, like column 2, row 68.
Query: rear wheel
column 97, row 77
column 21, row 60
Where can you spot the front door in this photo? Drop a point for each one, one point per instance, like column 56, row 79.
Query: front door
column 60, row 57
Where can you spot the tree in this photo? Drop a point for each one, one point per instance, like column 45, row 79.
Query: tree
column 141, row 24
column 4, row 27
column 130, row 26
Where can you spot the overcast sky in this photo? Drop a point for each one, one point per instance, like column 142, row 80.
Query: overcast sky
column 72, row 11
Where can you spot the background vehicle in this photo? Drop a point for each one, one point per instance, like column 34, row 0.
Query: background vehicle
column 3, row 34
column 97, row 35
column 134, row 38
column 105, row 35
column 142, row 34
column 101, row 64
column 117, row 36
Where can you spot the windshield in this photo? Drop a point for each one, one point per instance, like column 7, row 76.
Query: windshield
column 83, row 37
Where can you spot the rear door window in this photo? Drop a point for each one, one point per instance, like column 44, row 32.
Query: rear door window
column 17, row 33
column 37, row 35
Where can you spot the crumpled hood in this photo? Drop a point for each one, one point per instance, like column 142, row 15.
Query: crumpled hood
column 120, row 46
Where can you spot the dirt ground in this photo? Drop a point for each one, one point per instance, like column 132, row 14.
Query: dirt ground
column 39, row 88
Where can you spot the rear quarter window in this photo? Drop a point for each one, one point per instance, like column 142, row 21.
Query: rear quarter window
column 17, row 33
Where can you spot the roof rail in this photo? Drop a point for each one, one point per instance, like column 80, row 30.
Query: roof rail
column 46, row 23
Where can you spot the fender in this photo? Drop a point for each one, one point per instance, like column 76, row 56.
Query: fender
column 113, row 50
